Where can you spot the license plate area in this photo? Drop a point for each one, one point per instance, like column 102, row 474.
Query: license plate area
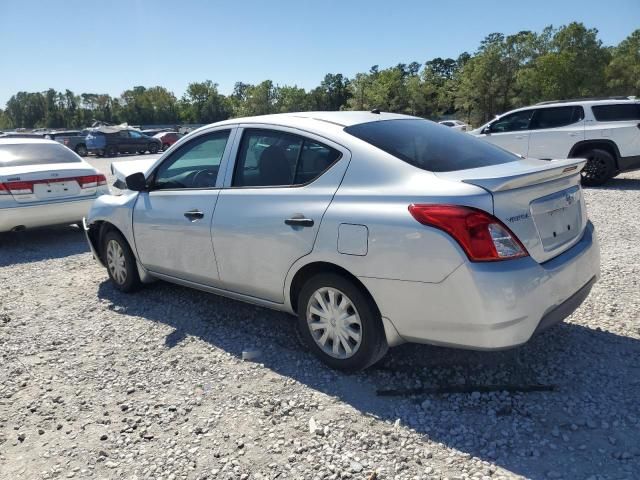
column 55, row 189
column 558, row 217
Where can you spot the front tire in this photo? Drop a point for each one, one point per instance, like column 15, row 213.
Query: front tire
column 340, row 323
column 153, row 148
column 599, row 169
column 82, row 150
column 120, row 262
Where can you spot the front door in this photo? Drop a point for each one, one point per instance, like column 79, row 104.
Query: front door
column 269, row 215
column 510, row 132
column 172, row 221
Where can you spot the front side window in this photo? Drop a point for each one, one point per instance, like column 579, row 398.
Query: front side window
column 512, row 123
column 269, row 158
column 123, row 134
column 428, row 146
column 194, row 165
column 135, row 134
column 616, row 112
column 556, row 117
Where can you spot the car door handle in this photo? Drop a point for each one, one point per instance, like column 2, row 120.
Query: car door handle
column 299, row 222
column 194, row 215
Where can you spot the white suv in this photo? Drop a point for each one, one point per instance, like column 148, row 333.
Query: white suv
column 605, row 132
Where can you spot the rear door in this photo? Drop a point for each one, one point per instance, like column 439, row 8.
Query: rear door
column 510, row 132
column 172, row 221
column 555, row 130
column 269, row 215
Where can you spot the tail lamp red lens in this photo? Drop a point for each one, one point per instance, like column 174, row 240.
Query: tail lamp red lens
column 482, row 236
column 26, row 187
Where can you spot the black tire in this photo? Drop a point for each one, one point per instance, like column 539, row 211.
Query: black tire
column 111, row 151
column 82, row 150
column 153, row 148
column 373, row 345
column 600, row 167
column 130, row 281
column 142, row 152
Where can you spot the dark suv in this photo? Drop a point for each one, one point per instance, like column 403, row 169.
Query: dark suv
column 110, row 141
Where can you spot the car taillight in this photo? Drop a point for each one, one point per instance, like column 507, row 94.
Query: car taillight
column 3, row 189
column 19, row 188
column 66, row 141
column 91, row 181
column 483, row 237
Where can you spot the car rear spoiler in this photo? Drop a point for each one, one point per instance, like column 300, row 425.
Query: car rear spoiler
column 508, row 176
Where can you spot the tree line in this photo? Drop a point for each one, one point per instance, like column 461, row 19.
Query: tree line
column 505, row 72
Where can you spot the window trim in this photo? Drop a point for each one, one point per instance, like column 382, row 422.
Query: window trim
column 595, row 107
column 230, row 141
column 302, row 134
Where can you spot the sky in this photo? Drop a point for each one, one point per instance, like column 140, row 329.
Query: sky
column 105, row 46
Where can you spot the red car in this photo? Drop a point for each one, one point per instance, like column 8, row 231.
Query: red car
column 167, row 138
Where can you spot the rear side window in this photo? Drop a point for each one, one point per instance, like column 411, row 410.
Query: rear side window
column 430, row 146
column 616, row 112
column 269, row 158
column 556, row 117
column 25, row 154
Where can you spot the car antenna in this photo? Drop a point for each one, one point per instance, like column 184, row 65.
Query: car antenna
column 376, row 110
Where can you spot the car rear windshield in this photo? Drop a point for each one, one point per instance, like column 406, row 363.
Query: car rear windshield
column 25, row 154
column 430, row 146
column 616, row 112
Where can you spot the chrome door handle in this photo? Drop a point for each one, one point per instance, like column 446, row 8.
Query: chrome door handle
column 194, row 215
column 299, row 222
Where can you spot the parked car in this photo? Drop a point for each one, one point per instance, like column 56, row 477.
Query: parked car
column 372, row 228
column 604, row 131
column 110, row 141
column 73, row 139
column 455, row 125
column 44, row 183
column 152, row 132
column 167, row 138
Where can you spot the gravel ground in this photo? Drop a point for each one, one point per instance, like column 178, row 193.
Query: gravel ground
column 99, row 384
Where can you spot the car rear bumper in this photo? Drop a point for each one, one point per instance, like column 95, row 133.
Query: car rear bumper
column 55, row 213
column 490, row 306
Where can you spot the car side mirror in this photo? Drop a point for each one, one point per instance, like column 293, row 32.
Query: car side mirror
column 486, row 131
column 136, row 182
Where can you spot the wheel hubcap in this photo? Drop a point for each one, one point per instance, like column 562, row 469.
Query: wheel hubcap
column 116, row 262
column 334, row 323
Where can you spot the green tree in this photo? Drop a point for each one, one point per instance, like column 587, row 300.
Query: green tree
column 623, row 71
column 202, row 103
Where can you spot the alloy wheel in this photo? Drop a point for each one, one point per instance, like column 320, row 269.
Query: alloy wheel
column 116, row 262
column 334, row 323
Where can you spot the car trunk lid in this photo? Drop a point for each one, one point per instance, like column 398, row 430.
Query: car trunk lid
column 540, row 201
column 49, row 182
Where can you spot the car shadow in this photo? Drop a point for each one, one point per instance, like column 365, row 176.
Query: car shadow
column 38, row 244
column 583, row 427
column 620, row 184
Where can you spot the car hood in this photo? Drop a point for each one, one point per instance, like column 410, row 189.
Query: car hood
column 122, row 170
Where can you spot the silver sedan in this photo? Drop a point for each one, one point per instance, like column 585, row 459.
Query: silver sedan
column 372, row 228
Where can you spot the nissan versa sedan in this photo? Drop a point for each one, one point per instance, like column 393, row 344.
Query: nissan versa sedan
column 372, row 228
column 42, row 182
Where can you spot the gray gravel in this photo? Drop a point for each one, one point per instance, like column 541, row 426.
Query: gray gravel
column 98, row 384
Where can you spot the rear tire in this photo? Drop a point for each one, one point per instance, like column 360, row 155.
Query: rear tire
column 120, row 262
column 599, row 169
column 82, row 150
column 340, row 323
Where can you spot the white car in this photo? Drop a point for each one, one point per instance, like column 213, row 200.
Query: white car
column 44, row 183
column 605, row 132
column 455, row 125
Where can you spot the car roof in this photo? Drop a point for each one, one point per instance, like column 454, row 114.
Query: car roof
column 314, row 121
column 22, row 141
